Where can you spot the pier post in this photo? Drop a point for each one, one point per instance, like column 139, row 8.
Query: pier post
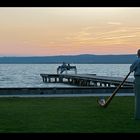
column 60, row 79
column 55, row 79
column 45, row 78
column 108, row 84
column 95, row 83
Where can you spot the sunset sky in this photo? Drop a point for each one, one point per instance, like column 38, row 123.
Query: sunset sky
column 47, row 31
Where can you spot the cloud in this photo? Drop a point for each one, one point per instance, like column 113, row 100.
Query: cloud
column 119, row 37
column 114, row 23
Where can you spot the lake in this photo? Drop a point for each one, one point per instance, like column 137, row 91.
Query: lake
column 28, row 75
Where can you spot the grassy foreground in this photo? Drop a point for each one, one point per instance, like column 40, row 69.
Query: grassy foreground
column 80, row 114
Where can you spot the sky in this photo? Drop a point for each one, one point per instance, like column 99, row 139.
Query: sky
column 48, row 31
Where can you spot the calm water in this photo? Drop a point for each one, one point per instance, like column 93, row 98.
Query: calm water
column 28, row 75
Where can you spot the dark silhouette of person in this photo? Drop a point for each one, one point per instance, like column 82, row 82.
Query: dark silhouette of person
column 135, row 67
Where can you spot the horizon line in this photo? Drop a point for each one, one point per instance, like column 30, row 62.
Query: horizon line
column 59, row 55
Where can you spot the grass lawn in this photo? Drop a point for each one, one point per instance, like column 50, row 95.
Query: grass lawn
column 80, row 114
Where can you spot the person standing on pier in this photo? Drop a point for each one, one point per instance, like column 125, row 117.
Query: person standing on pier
column 135, row 67
column 63, row 67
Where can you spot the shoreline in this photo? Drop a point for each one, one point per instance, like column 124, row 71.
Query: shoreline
column 68, row 95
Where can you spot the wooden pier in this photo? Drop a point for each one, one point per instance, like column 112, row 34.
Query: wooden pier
column 86, row 80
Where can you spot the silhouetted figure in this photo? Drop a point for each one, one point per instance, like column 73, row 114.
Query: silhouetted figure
column 68, row 67
column 136, row 68
column 63, row 67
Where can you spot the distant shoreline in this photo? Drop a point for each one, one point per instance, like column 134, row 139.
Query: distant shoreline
column 60, row 63
column 75, row 59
